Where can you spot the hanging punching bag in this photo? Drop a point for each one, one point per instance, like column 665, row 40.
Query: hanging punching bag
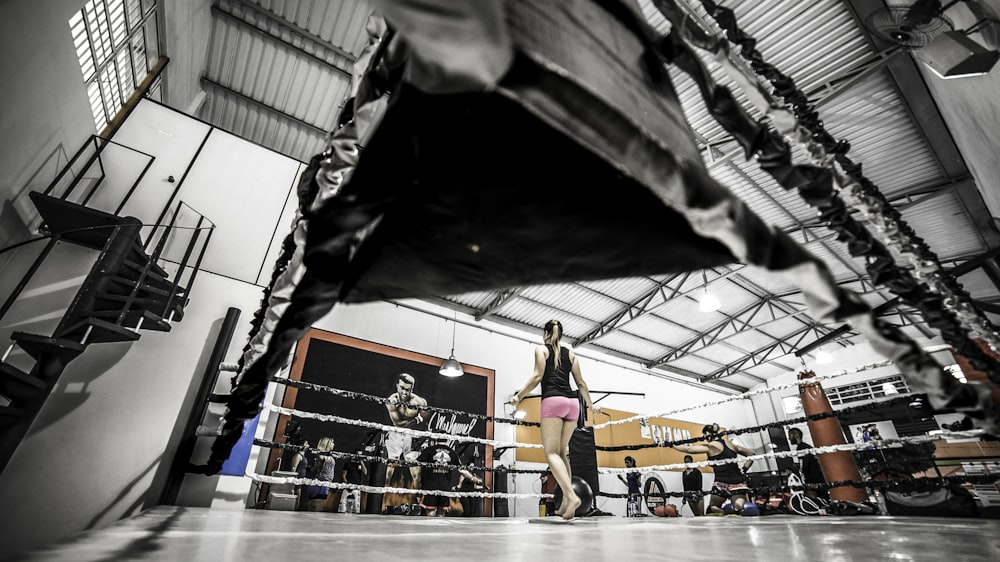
column 839, row 465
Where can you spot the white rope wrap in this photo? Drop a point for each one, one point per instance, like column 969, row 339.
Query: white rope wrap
column 882, row 444
column 383, row 489
column 765, row 390
column 403, row 430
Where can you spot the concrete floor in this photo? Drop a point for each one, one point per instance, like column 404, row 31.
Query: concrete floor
column 195, row 534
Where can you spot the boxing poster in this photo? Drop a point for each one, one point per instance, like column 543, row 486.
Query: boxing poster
column 387, row 387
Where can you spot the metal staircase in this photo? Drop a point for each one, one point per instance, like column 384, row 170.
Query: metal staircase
column 125, row 291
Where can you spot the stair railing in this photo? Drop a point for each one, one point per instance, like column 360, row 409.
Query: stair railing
column 177, row 291
column 64, row 185
column 182, row 267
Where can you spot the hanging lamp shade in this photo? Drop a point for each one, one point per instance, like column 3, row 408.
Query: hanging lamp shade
column 451, row 367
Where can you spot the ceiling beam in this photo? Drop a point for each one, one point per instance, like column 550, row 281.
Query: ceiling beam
column 295, row 29
column 850, row 77
column 918, row 195
column 696, row 377
column 636, row 308
column 886, row 306
column 257, row 103
column 627, row 315
column 735, row 323
column 250, row 26
column 760, row 355
column 502, row 297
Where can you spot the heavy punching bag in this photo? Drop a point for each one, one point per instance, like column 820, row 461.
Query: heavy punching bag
column 583, row 457
column 583, row 454
column 376, row 471
column 839, row 465
column 500, row 506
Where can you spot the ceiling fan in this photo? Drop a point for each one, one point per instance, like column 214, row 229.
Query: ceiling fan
column 922, row 27
column 910, row 26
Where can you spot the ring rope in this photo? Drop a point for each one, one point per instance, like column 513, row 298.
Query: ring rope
column 760, row 391
column 375, row 458
column 811, row 417
column 894, row 484
column 891, row 443
column 263, row 478
column 381, row 400
column 910, row 483
column 420, row 433
column 403, row 430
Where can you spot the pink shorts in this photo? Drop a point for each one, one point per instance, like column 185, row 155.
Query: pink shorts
column 561, row 407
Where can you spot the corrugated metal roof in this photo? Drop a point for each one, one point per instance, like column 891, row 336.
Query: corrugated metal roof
column 945, row 226
column 277, row 74
column 269, row 82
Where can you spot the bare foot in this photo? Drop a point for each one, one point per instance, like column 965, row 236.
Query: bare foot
column 562, row 508
column 569, row 507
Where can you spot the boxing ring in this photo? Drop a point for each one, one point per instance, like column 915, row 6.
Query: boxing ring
column 194, row 534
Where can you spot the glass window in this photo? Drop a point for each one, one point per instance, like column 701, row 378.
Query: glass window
column 113, row 40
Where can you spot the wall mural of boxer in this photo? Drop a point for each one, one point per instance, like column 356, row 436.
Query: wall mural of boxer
column 404, row 382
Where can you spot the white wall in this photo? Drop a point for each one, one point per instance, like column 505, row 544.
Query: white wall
column 187, row 30
column 46, row 115
column 101, row 447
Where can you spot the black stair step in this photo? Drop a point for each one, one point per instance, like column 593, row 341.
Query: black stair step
column 76, row 223
column 153, row 287
column 132, row 269
column 19, row 386
column 148, row 302
column 40, row 347
column 156, row 304
column 150, row 320
column 101, row 331
column 155, row 271
column 140, row 258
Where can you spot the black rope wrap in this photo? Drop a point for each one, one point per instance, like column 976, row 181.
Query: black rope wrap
column 375, row 458
column 816, row 185
column 381, row 400
column 906, row 485
column 740, row 431
column 306, row 191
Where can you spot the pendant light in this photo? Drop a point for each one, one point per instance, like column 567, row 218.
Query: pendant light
column 708, row 301
column 451, row 367
column 823, row 357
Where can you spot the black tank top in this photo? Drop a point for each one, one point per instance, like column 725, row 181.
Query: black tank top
column 555, row 382
column 727, row 473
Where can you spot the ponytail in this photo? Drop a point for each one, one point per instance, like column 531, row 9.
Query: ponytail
column 552, row 336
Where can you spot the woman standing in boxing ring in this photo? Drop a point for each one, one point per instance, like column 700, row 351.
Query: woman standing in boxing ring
column 560, row 408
